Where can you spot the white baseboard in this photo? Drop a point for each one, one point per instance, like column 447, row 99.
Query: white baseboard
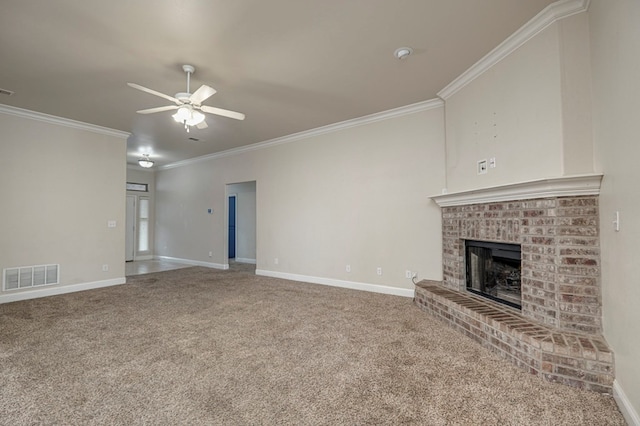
column 374, row 288
column 193, row 262
column 243, row 260
column 53, row 291
column 145, row 257
column 628, row 411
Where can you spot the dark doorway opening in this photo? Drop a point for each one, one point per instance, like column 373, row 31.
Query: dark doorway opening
column 232, row 227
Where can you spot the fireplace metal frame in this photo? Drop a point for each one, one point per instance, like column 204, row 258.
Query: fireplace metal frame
column 498, row 250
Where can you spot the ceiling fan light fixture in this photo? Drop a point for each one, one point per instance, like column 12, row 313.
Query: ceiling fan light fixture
column 188, row 105
column 183, row 114
column 145, row 161
column 196, row 118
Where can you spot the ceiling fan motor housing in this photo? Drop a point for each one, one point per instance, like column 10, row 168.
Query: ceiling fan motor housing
column 183, row 97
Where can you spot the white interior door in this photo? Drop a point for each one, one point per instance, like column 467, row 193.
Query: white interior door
column 130, row 231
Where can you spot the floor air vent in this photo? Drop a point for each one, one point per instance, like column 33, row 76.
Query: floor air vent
column 30, row 276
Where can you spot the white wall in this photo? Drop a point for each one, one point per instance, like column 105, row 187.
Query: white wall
column 615, row 44
column 356, row 196
column 245, row 220
column 531, row 111
column 60, row 186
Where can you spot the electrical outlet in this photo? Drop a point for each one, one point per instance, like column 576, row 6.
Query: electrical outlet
column 111, row 224
column 492, row 162
column 482, row 167
column 379, row 271
column 210, row 254
column 105, row 268
column 408, row 274
column 348, row 268
column 276, row 261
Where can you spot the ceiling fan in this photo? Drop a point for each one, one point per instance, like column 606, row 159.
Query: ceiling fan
column 188, row 105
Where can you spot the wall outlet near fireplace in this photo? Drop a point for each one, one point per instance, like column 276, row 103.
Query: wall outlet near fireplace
column 482, row 167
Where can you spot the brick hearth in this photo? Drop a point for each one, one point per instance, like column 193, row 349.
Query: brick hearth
column 573, row 359
column 557, row 333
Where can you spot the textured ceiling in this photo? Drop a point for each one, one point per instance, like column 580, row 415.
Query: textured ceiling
column 289, row 65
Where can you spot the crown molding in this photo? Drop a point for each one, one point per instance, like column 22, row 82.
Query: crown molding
column 550, row 14
column 367, row 119
column 542, row 188
column 52, row 119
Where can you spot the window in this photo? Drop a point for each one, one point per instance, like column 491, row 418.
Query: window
column 143, row 224
column 140, row 187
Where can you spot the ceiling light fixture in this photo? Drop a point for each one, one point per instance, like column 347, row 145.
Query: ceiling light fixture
column 188, row 116
column 145, row 161
column 403, row 52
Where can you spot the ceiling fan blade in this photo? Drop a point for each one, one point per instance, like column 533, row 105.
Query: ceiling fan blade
column 201, row 94
column 157, row 109
column 222, row 112
column 202, row 125
column 153, row 92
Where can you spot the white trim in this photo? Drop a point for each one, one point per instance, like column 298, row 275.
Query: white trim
column 541, row 188
column 143, row 257
column 384, row 115
column 52, row 119
column 374, row 288
column 626, row 408
column 243, row 260
column 53, row 291
column 193, row 262
column 550, row 14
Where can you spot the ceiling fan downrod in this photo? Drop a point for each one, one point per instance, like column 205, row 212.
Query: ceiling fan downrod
column 189, row 69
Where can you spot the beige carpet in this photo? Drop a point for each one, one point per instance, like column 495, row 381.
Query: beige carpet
column 199, row 346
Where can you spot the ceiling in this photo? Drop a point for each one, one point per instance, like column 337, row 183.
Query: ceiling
column 289, row 65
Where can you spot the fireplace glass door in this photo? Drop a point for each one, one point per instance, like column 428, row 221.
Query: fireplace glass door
column 494, row 271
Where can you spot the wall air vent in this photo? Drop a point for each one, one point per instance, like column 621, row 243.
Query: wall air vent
column 30, row 276
column 6, row 92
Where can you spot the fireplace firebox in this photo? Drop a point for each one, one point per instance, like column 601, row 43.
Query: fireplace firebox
column 494, row 271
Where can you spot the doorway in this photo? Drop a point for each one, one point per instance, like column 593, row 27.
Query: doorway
column 240, row 224
column 232, row 226
column 130, row 228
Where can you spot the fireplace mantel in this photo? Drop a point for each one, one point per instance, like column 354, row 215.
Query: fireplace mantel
column 576, row 185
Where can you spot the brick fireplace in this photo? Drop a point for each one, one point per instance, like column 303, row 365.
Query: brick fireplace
column 556, row 334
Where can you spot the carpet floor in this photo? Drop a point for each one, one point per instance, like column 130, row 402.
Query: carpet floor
column 198, row 346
